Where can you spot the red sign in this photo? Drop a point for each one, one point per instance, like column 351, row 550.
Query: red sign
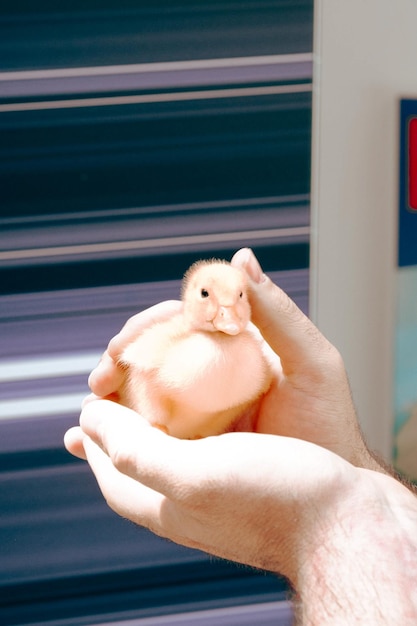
column 412, row 164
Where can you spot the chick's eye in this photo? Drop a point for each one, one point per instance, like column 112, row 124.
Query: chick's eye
column 204, row 293
column 241, row 294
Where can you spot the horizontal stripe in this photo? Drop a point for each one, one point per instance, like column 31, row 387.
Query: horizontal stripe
column 47, row 367
column 279, row 201
column 146, row 244
column 169, row 66
column 276, row 612
column 209, row 94
column 41, row 406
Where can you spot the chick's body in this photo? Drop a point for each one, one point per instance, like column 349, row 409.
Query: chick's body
column 195, row 373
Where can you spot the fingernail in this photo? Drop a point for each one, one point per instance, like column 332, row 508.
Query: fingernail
column 246, row 259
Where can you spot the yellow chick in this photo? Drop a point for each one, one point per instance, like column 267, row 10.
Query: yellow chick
column 196, row 373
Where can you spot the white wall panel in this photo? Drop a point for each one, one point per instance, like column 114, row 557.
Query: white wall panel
column 365, row 60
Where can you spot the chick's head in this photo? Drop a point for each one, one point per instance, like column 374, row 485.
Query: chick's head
column 215, row 297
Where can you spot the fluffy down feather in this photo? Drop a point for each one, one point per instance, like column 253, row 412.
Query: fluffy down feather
column 196, row 373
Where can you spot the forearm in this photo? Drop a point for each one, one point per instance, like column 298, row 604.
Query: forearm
column 362, row 568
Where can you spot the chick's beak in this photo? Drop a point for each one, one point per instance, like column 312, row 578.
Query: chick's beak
column 227, row 321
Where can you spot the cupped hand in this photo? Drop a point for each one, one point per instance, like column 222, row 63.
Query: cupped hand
column 247, row 497
column 282, row 498
column 310, row 397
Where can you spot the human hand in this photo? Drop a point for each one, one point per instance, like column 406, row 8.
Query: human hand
column 310, row 397
column 222, row 494
column 272, row 502
column 264, row 499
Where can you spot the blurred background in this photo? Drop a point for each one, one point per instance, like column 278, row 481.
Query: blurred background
column 136, row 137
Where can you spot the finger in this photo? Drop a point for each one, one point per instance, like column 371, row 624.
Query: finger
column 283, row 325
column 124, row 495
column 74, row 442
column 139, row 503
column 106, row 378
column 135, row 448
column 136, row 324
column 181, row 470
column 90, row 398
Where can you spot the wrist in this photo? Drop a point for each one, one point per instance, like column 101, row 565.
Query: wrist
column 358, row 561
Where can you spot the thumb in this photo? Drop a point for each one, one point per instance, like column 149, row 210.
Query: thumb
column 283, row 325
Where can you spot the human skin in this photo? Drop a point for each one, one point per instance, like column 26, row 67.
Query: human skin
column 310, row 398
column 300, row 495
